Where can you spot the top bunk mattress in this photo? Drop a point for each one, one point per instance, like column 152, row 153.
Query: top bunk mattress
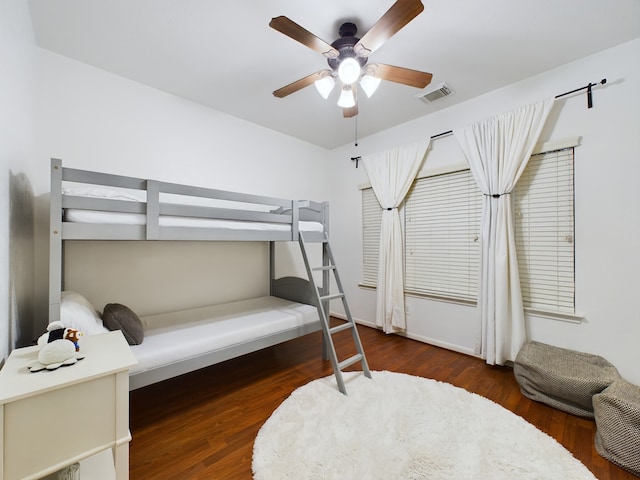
column 185, row 335
column 121, row 218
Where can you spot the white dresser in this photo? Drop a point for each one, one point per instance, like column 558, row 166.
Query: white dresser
column 77, row 413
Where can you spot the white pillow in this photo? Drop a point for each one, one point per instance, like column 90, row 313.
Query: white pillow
column 104, row 192
column 76, row 312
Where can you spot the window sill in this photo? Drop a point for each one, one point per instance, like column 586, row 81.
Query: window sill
column 563, row 317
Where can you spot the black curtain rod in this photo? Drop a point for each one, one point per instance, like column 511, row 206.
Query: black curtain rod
column 448, row 132
column 589, row 105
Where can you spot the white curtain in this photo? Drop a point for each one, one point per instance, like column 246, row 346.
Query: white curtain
column 391, row 174
column 498, row 150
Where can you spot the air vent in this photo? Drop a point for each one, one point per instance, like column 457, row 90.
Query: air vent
column 435, row 93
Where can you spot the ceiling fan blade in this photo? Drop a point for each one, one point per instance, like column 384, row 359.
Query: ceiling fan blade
column 298, row 84
column 400, row 13
column 350, row 112
column 406, row 76
column 293, row 30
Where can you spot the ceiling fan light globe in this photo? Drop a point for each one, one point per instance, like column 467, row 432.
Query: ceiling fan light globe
column 349, row 71
column 347, row 99
column 325, row 86
column 369, row 84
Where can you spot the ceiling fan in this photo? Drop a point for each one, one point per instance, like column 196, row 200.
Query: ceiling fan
column 348, row 57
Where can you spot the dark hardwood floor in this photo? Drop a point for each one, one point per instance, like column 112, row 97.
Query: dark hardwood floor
column 202, row 425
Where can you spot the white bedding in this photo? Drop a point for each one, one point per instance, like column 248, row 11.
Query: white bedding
column 120, row 218
column 176, row 336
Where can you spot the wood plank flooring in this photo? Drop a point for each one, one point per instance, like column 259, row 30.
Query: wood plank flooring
column 202, row 425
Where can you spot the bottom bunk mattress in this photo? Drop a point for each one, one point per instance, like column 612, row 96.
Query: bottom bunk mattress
column 179, row 342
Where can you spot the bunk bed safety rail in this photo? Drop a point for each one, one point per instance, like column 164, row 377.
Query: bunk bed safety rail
column 154, row 199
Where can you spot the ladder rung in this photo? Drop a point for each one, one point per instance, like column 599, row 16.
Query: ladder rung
column 340, row 328
column 331, row 297
column 350, row 361
column 326, row 267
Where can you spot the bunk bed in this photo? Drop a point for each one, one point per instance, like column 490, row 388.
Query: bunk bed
column 89, row 205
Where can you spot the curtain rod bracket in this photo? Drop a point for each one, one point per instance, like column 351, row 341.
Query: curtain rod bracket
column 588, row 88
column 357, row 159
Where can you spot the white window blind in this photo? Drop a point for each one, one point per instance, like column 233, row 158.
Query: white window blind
column 544, row 211
column 442, row 226
column 371, row 218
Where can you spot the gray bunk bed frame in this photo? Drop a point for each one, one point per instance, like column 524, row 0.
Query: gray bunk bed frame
column 288, row 212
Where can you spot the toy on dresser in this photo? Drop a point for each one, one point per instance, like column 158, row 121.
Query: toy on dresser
column 59, row 346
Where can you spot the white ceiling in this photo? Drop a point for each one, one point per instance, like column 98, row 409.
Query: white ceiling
column 225, row 55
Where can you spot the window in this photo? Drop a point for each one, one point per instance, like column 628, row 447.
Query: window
column 442, row 225
column 371, row 218
column 543, row 209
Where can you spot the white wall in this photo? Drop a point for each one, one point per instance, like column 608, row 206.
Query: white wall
column 95, row 120
column 606, row 217
column 17, row 93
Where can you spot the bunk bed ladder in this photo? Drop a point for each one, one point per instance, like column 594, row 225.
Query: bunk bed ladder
column 323, row 297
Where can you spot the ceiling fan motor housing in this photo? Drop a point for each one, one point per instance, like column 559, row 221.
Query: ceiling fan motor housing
column 345, row 45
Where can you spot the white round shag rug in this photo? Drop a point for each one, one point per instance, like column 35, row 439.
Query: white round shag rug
column 397, row 426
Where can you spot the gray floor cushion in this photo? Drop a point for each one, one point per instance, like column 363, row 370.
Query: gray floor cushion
column 564, row 379
column 617, row 414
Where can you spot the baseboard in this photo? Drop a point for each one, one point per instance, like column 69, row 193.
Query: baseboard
column 412, row 336
column 439, row 343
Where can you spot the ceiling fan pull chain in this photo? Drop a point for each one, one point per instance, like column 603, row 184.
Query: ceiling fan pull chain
column 356, row 117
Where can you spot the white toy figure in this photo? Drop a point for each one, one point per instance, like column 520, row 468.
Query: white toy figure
column 58, row 347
